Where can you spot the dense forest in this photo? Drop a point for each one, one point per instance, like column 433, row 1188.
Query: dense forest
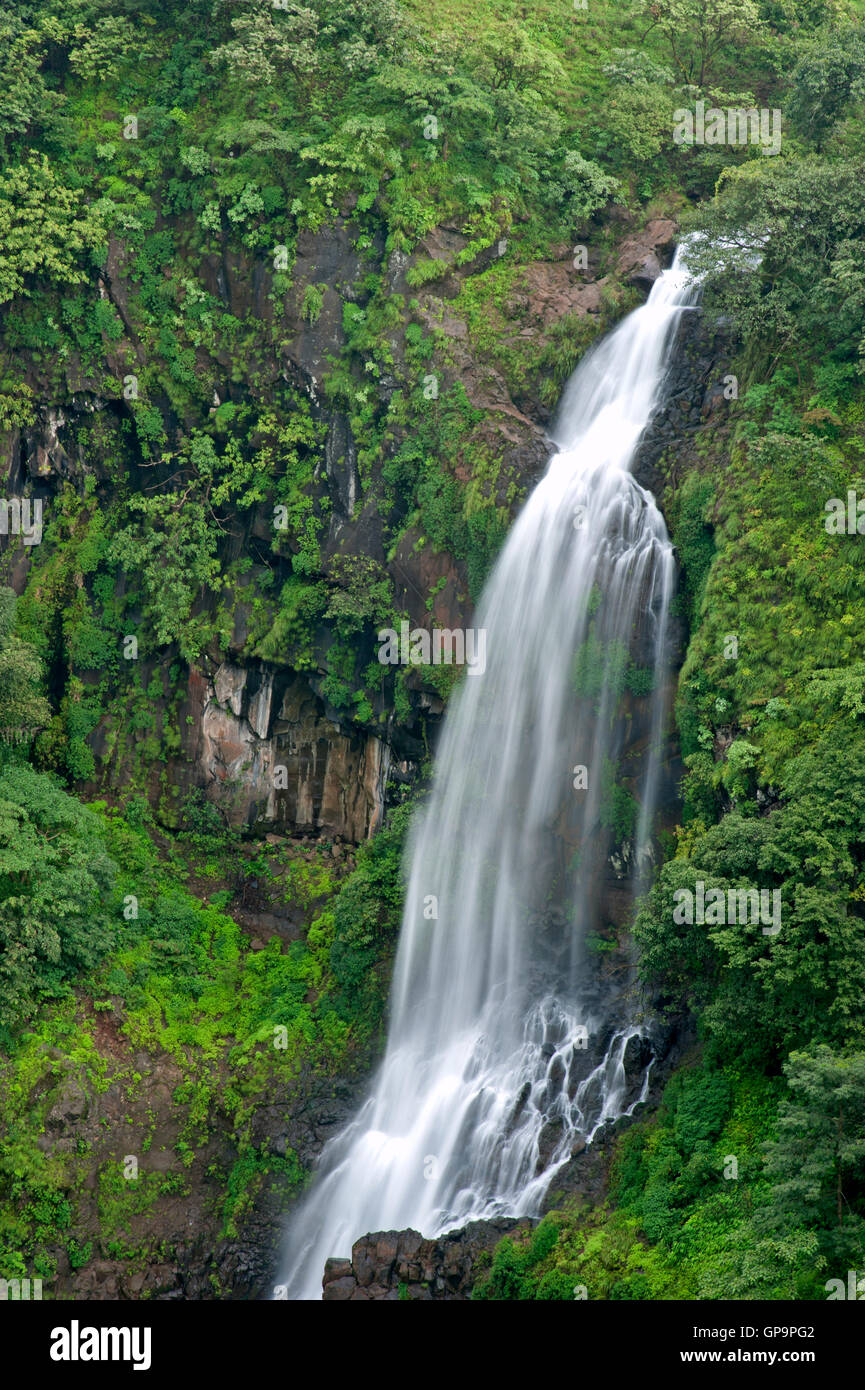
column 289, row 293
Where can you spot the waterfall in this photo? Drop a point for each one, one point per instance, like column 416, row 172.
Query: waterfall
column 508, row 1037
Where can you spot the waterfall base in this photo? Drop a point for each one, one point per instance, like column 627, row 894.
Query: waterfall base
column 386, row 1266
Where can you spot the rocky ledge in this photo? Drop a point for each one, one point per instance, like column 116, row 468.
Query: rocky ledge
column 390, row 1265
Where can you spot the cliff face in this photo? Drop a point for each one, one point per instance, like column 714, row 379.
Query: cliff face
column 231, row 718
column 696, row 401
column 258, row 740
column 188, row 1243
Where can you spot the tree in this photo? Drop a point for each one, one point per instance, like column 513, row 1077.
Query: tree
column 817, row 1163
column 24, row 96
column 269, row 40
column 508, row 58
column 826, row 79
column 100, row 49
column 23, row 708
column 792, row 16
column 584, row 185
column 762, row 994
column 698, row 32
column 172, row 550
column 45, row 228
column 782, row 252
column 299, row 40
column 56, row 917
column 641, row 107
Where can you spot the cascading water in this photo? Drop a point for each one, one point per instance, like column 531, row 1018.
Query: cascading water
column 507, row 1042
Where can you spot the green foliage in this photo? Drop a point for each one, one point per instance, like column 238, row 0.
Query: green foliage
column 366, row 917
column 25, row 98
column 639, row 680
column 619, row 808
column 828, row 77
column 248, row 1174
column 313, row 300
column 700, row 32
column 762, row 994
column 362, row 595
column 781, row 253
column 45, row 228
column 464, row 521
column 693, row 540
column 182, row 980
column 512, row 1275
column 23, row 708
column 16, row 404
column 56, row 911
column 171, row 552
column 817, row 1163
column 640, row 117
column 301, row 607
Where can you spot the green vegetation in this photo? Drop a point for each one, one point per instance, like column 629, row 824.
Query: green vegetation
column 178, row 979
column 55, row 893
column 271, row 335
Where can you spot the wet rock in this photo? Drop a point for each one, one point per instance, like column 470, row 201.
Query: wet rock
column 638, row 1055
column 549, row 1139
column 340, row 1290
column 694, row 399
column 390, row 1265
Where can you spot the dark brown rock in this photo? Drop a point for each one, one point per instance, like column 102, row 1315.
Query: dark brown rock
column 390, row 1265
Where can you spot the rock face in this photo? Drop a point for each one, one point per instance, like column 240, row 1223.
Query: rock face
column 273, row 759
column 260, row 742
column 140, row 1122
column 391, row 1265
column 642, row 257
column 694, row 400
